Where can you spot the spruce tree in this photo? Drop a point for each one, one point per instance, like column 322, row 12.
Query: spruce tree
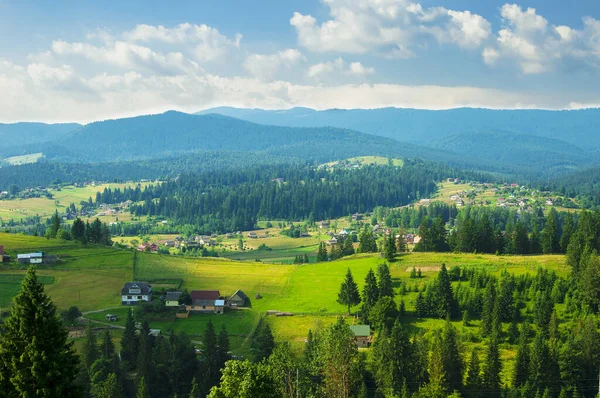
column 451, row 358
column 195, row 390
column 492, row 368
column 348, row 248
column 210, row 354
column 390, row 247
column 550, row 237
column 264, row 343
column 349, row 295
column 223, row 342
column 36, row 358
column 129, row 343
column 489, row 302
column 142, row 389
column 370, row 294
column 521, row 369
column 385, row 281
column 90, row 348
column 473, row 380
column 446, row 305
column 109, row 388
column 322, row 253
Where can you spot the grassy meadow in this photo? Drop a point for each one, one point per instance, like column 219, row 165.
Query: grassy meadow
column 44, row 207
column 91, row 277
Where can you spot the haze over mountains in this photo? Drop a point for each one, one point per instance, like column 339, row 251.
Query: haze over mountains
column 532, row 142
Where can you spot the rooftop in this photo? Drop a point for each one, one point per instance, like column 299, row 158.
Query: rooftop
column 361, row 330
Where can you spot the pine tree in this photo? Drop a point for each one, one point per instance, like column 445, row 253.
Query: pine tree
column 142, row 389
column 489, row 302
column 568, row 227
column 322, row 253
column 348, row 249
column 451, row 358
column 349, row 295
column 109, row 388
column 195, row 390
column 210, row 354
column 144, row 355
column 90, row 348
column 370, row 294
column 129, row 343
column 492, row 368
column 78, row 230
column 264, row 343
column 521, row 369
column 550, row 236
column 445, row 298
column 390, row 247
column 223, row 342
column 36, row 358
column 540, row 363
column 473, row 381
column 385, row 281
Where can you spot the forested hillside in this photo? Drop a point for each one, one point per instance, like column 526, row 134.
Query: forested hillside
column 16, row 135
column 422, row 126
column 235, row 200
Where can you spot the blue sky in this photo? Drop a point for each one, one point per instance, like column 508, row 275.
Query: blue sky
column 89, row 60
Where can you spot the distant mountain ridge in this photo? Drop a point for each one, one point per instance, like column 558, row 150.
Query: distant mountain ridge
column 577, row 127
column 15, row 135
column 172, row 133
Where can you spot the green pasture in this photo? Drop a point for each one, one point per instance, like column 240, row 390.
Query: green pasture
column 62, row 197
column 24, row 159
column 91, row 278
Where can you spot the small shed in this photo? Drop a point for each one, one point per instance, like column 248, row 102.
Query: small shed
column 258, row 296
column 238, row 299
column 172, row 299
column 111, row 317
column 363, row 334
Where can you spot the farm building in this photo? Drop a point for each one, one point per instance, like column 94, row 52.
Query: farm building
column 363, row 334
column 111, row 317
column 172, row 299
column 252, row 235
column 134, row 292
column 4, row 258
column 238, row 299
column 206, row 301
column 30, row 258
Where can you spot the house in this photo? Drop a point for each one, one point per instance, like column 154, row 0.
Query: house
column 409, row 239
column 146, row 247
column 323, row 224
column 363, row 334
column 30, row 258
column 278, row 180
column 154, row 332
column 206, row 301
column 172, row 299
column 252, row 235
column 416, row 239
column 343, row 233
column 332, row 241
column 134, row 292
column 357, row 217
column 549, row 202
column 238, row 299
column 170, row 243
column 460, row 202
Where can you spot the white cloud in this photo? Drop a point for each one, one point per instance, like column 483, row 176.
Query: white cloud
column 209, row 44
column 339, row 67
column 127, row 55
column 267, row 66
column 390, row 28
column 31, row 94
column 537, row 46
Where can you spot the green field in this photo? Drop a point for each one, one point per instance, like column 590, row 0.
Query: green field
column 44, row 207
column 24, row 159
column 91, row 278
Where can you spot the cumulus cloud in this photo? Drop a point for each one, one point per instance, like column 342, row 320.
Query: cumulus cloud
column 338, row 67
column 390, row 28
column 537, row 46
column 127, row 55
column 209, row 44
column 267, row 66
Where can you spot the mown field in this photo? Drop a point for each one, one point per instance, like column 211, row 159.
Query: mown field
column 91, row 278
column 44, row 207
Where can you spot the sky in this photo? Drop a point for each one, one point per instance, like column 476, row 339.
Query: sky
column 84, row 60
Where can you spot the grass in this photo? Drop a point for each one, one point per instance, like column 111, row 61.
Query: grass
column 91, row 277
column 24, row 159
column 44, row 207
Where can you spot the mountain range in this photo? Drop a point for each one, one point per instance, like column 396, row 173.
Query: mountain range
column 524, row 142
